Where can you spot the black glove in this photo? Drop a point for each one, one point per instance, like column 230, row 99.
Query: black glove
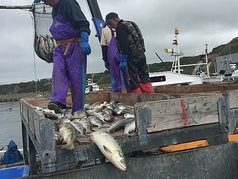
column 104, row 56
column 107, row 65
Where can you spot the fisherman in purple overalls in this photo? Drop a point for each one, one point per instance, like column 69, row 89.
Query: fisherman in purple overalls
column 111, row 58
column 70, row 29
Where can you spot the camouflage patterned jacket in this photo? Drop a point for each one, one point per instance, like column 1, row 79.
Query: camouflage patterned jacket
column 134, row 44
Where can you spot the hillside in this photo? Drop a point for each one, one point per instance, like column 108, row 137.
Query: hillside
column 103, row 79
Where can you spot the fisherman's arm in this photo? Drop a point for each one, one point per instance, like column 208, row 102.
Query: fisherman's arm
column 74, row 14
column 6, row 159
column 122, row 35
column 20, row 156
column 104, row 47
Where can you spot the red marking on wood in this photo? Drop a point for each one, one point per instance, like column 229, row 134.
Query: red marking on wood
column 184, row 116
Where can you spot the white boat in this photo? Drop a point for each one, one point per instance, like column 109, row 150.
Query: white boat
column 174, row 76
column 90, row 86
column 171, row 78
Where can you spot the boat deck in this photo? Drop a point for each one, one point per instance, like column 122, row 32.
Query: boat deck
column 162, row 119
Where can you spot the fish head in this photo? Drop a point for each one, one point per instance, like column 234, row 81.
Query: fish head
column 108, row 117
column 118, row 159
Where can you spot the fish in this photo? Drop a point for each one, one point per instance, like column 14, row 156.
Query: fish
column 58, row 137
column 108, row 117
column 56, row 126
column 108, row 110
column 67, row 113
column 50, row 115
column 99, row 115
column 86, row 124
column 130, row 127
column 63, row 120
column 78, row 115
column 95, row 121
column 79, row 127
column 129, row 115
column 47, row 110
column 36, row 45
column 42, row 54
column 93, row 106
column 51, row 44
column 119, row 125
column 125, row 108
column 110, row 149
column 44, row 46
column 117, row 109
column 69, row 135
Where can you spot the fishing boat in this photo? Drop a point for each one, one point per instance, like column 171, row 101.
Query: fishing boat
column 185, row 131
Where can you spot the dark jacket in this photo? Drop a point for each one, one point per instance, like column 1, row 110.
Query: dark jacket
column 71, row 10
column 12, row 156
column 129, row 38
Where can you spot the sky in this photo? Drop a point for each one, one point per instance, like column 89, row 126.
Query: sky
column 199, row 23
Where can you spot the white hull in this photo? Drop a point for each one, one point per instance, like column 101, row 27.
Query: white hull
column 171, row 78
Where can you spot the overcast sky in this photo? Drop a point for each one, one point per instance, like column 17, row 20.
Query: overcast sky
column 200, row 22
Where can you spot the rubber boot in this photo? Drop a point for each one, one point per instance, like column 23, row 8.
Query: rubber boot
column 146, row 88
column 137, row 90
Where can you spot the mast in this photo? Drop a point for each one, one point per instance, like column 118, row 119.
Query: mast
column 177, row 53
column 208, row 72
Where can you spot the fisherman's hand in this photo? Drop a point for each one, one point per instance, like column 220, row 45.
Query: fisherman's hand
column 122, row 65
column 85, row 47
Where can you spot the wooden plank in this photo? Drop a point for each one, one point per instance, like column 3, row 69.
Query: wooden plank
column 233, row 97
column 127, row 98
column 33, row 116
column 93, row 97
column 185, row 146
column 178, row 113
column 209, row 87
column 37, row 116
column 233, row 138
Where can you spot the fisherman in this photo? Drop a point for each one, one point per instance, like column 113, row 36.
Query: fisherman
column 131, row 48
column 12, row 155
column 70, row 29
column 111, row 58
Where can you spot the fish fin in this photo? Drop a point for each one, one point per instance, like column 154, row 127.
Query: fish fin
column 106, row 149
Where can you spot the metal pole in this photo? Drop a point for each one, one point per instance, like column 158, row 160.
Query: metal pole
column 162, row 61
column 26, row 7
column 208, row 72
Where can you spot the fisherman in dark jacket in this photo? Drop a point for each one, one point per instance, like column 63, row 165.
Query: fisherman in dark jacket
column 12, row 155
column 131, row 47
column 70, row 29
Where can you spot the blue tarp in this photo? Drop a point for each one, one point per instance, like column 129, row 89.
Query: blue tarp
column 14, row 172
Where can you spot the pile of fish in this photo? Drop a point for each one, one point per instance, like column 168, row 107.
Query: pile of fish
column 97, row 121
column 44, row 46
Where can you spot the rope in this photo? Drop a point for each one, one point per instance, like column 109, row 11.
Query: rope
column 198, row 114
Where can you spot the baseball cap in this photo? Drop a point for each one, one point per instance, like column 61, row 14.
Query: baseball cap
column 110, row 16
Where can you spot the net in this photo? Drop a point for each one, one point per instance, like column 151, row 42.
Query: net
column 44, row 44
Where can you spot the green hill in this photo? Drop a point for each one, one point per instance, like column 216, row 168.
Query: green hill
column 103, row 79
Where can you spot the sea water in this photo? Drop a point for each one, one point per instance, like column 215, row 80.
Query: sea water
column 10, row 124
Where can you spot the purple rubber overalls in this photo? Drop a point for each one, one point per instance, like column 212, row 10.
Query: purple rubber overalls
column 115, row 72
column 69, row 64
